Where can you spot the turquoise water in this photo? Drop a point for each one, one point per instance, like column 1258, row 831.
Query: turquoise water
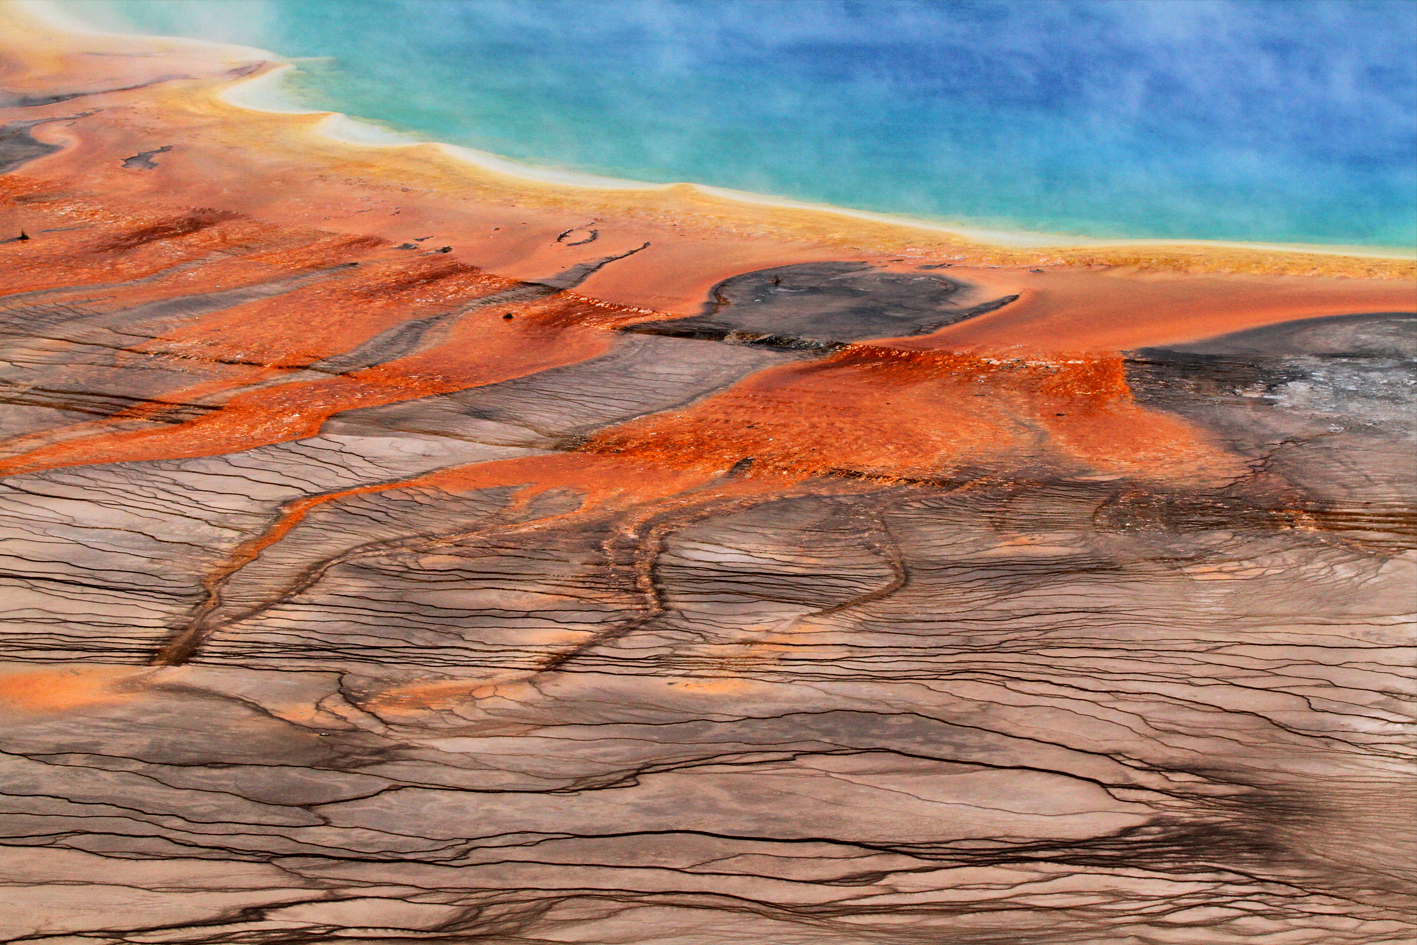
column 1276, row 120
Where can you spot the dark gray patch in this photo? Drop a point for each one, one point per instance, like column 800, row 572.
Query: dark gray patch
column 821, row 304
column 590, row 237
column 1321, row 405
column 18, row 146
column 143, row 160
column 1366, row 335
column 1360, row 359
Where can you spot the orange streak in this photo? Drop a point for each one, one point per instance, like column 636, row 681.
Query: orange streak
column 480, row 348
column 602, row 481
column 1103, row 312
column 61, row 690
column 894, row 413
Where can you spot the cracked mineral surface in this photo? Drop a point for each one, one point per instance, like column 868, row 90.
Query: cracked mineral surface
column 713, row 574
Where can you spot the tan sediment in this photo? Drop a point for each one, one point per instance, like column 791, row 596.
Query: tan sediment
column 53, row 689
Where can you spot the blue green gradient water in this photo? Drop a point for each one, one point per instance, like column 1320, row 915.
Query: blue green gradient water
column 1270, row 121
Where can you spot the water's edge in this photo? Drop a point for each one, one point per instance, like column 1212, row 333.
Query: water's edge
column 266, row 92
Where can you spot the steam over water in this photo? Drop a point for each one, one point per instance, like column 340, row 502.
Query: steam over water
column 394, row 553
column 1288, row 122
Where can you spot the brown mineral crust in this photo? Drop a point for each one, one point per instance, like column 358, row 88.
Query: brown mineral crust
column 987, row 634
column 624, row 486
column 601, row 482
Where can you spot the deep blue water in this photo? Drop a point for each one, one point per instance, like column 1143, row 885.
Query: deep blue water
column 1262, row 120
